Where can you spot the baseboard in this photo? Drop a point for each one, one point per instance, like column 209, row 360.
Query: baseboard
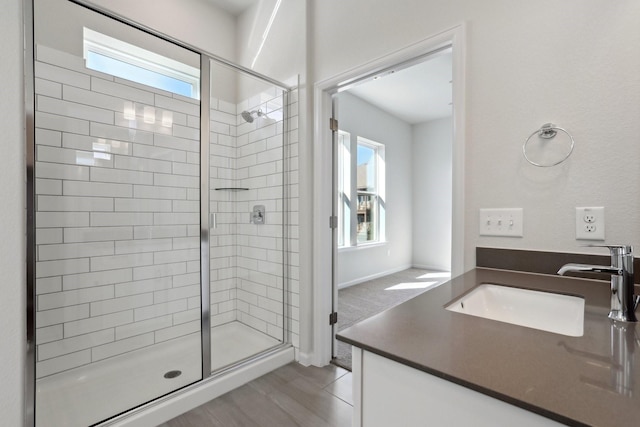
column 193, row 396
column 305, row 359
column 373, row 276
column 431, row 267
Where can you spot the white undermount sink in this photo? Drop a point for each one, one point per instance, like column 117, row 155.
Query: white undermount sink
column 561, row 314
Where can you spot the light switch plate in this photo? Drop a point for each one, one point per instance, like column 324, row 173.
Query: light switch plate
column 501, row 222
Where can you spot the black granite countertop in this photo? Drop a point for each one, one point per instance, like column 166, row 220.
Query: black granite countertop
column 592, row 380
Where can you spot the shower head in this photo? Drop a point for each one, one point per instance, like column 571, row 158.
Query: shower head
column 249, row 116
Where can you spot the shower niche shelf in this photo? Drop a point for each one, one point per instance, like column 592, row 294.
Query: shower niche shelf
column 232, row 189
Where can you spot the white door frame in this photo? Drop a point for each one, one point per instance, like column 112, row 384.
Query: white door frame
column 322, row 161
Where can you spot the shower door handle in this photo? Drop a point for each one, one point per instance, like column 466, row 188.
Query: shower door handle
column 214, row 221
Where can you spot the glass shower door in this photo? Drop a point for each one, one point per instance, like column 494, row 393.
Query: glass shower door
column 247, row 206
column 117, row 168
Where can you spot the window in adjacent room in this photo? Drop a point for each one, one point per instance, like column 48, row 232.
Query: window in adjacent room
column 360, row 191
column 370, row 169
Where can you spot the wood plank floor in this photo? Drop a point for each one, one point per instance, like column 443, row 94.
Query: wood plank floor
column 293, row 395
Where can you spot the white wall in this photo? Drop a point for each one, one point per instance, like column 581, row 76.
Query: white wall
column 196, row 22
column 282, row 56
column 360, row 118
column 573, row 62
column 432, row 194
column 12, row 216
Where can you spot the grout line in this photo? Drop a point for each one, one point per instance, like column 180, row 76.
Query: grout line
column 325, row 388
column 338, row 397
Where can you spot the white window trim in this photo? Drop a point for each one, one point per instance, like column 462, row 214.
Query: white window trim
column 362, row 246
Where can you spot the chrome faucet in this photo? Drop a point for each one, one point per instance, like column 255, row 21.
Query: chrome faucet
column 623, row 301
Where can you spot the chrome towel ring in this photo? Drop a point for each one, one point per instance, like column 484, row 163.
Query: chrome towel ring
column 547, row 131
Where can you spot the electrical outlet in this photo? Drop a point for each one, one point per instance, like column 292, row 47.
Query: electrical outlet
column 590, row 223
column 501, row 222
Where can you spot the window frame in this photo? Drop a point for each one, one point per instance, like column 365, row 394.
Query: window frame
column 378, row 153
column 348, row 189
column 120, row 51
column 344, row 189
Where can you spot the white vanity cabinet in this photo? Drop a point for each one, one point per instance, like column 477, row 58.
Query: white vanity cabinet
column 388, row 393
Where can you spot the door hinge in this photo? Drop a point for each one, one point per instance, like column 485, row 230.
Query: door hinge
column 333, row 222
column 333, row 124
column 333, row 318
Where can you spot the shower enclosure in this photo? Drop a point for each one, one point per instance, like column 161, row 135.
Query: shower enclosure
column 157, row 216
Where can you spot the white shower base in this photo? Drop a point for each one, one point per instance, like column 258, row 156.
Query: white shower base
column 89, row 394
column 235, row 341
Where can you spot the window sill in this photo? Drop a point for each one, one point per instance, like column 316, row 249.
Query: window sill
column 362, row 246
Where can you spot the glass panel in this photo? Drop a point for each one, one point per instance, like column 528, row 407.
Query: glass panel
column 344, row 188
column 117, row 226
column 246, row 201
column 367, row 218
column 118, row 68
column 367, row 188
column 366, row 179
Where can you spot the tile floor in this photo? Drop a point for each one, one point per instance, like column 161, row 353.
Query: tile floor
column 292, row 395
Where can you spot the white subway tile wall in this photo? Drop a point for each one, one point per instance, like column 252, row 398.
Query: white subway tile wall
column 254, row 164
column 291, row 203
column 117, row 215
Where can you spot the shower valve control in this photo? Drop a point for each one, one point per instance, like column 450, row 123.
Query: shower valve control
column 257, row 216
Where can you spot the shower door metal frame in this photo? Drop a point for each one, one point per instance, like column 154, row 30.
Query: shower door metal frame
column 205, row 284
column 29, row 102
column 205, row 100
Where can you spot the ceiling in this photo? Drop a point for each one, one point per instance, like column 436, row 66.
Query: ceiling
column 416, row 94
column 234, row 7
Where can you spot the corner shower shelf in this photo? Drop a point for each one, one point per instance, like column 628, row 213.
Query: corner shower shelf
column 232, row 188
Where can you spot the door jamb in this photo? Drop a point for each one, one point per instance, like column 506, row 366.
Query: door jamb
column 322, row 162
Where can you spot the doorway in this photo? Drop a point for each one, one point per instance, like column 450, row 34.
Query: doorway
column 325, row 245
column 393, row 189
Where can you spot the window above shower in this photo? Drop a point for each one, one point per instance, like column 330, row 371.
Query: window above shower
column 118, row 58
